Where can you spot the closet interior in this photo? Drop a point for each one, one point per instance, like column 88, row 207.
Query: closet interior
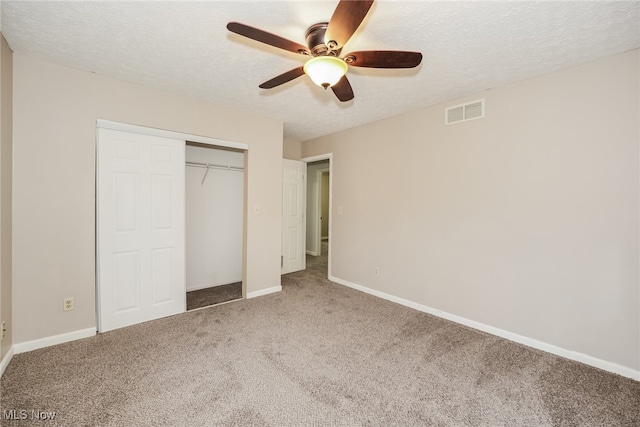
column 214, row 181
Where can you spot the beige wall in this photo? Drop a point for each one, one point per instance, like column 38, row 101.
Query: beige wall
column 526, row 220
column 6, row 134
column 55, row 112
column 291, row 150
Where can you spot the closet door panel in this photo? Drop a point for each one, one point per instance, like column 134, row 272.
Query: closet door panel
column 162, row 202
column 163, row 275
column 141, row 228
column 126, row 280
column 125, row 190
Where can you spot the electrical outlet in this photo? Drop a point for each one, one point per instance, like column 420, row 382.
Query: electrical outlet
column 69, row 303
column 4, row 329
column 376, row 271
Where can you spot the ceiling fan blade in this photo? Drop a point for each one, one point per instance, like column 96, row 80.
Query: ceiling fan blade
column 343, row 90
column 282, row 78
column 267, row 38
column 345, row 21
column 383, row 59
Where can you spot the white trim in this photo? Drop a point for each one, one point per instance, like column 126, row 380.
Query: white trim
column 5, row 361
column 317, row 158
column 263, row 292
column 106, row 124
column 530, row 342
column 23, row 347
column 313, row 253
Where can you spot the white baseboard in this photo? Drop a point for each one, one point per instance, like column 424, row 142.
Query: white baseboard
column 313, row 253
column 530, row 342
column 5, row 361
column 262, row 292
column 53, row 340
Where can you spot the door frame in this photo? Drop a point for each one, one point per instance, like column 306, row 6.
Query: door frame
column 126, row 127
column 310, row 159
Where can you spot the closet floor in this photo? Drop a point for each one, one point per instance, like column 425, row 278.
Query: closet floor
column 214, row 295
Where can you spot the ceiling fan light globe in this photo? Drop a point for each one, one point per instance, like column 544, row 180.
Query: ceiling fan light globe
column 325, row 71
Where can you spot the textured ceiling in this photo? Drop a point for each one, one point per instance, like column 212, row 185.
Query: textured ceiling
column 184, row 47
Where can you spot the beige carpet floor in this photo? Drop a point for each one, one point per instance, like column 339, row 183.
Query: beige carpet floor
column 214, row 295
column 316, row 354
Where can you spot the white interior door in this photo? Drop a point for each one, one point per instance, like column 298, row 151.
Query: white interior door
column 293, row 207
column 141, row 228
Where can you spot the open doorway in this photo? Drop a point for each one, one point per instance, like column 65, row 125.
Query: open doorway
column 318, row 208
column 324, row 209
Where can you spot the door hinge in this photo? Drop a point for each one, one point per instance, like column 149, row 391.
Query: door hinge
column 281, row 261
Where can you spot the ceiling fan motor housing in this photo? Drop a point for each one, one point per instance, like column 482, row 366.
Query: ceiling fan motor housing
column 316, row 43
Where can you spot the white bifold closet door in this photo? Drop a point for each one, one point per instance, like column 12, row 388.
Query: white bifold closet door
column 141, row 228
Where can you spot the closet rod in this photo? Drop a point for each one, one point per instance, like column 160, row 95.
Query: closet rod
column 212, row 166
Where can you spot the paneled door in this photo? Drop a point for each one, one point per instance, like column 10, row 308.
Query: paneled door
column 293, row 222
column 140, row 228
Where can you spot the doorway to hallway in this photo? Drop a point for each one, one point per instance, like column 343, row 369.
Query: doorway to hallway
column 319, row 212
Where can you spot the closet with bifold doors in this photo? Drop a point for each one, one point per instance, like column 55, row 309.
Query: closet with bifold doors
column 214, row 204
column 169, row 223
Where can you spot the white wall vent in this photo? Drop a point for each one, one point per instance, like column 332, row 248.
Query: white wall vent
column 464, row 112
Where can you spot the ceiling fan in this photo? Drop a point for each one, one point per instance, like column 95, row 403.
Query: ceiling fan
column 327, row 67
